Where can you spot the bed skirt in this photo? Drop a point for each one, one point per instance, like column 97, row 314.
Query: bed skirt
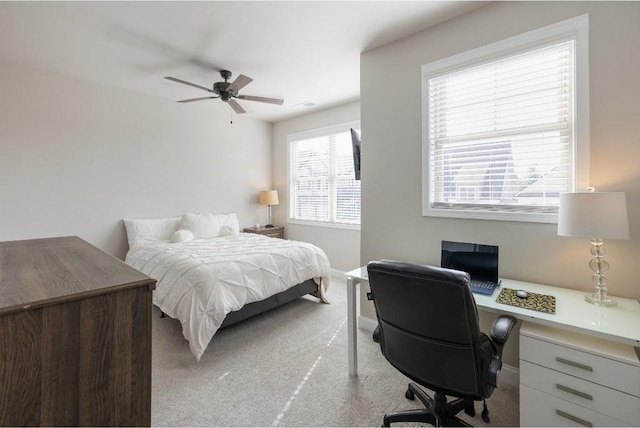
column 255, row 308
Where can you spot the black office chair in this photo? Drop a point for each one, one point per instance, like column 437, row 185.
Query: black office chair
column 428, row 329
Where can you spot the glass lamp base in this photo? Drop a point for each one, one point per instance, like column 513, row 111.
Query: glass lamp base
column 597, row 299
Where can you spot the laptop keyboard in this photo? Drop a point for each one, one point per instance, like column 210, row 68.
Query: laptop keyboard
column 483, row 284
column 482, row 287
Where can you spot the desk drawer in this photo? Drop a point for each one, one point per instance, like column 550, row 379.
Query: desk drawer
column 543, row 410
column 600, row 370
column 578, row 391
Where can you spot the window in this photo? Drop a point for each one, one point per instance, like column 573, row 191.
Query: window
column 506, row 126
column 322, row 185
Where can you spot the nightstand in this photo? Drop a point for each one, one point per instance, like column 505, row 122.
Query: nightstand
column 273, row 232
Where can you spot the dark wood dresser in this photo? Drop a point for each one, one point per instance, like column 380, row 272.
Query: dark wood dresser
column 75, row 336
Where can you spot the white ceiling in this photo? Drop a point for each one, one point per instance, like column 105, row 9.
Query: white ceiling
column 302, row 51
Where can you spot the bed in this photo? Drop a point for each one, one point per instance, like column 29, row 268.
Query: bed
column 210, row 275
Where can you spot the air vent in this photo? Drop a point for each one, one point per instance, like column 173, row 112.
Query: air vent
column 305, row 104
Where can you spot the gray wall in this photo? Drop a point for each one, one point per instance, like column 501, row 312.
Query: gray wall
column 342, row 246
column 77, row 157
column 392, row 224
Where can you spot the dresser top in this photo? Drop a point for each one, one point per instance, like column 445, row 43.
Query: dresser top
column 39, row 272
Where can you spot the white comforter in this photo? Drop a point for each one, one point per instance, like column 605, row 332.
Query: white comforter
column 201, row 281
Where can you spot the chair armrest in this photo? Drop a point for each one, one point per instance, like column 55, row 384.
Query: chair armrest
column 501, row 328
column 500, row 331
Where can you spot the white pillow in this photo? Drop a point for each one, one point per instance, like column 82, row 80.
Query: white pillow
column 228, row 224
column 201, row 225
column 182, row 235
column 228, row 231
column 155, row 229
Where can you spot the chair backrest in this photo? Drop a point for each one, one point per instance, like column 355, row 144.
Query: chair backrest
column 429, row 326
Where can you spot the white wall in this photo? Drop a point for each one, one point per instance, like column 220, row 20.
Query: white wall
column 77, row 157
column 342, row 246
column 392, row 224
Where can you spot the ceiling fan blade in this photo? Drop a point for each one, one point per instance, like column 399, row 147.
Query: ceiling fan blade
column 240, row 82
column 236, row 107
column 196, row 99
column 269, row 100
column 184, row 82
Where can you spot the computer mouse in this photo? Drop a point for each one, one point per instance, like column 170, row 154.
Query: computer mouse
column 522, row 294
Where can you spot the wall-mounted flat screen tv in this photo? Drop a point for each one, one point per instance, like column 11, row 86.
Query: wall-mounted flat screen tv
column 355, row 143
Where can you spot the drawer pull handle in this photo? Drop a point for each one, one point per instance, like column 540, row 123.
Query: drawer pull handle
column 574, row 364
column 574, row 418
column 574, row 392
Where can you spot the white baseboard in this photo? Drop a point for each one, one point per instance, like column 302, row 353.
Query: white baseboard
column 338, row 274
column 367, row 324
column 509, row 375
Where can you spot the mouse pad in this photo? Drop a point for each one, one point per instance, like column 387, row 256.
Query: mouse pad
column 535, row 301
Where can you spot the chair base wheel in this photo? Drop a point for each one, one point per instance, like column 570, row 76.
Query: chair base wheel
column 436, row 411
column 485, row 416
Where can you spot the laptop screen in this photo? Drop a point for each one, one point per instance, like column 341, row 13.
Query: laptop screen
column 479, row 260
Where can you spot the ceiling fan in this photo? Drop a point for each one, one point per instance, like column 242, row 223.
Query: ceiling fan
column 228, row 92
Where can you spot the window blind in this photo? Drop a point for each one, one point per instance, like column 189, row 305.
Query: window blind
column 322, row 179
column 501, row 133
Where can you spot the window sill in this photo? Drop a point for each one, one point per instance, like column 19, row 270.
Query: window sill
column 491, row 215
column 326, row 224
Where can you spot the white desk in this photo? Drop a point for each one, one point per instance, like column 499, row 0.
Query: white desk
column 619, row 324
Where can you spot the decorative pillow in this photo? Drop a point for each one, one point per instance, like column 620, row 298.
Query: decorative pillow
column 156, row 229
column 201, row 225
column 228, row 224
column 228, row 231
column 182, row 235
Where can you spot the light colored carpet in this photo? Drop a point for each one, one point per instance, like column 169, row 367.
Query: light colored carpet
column 287, row 367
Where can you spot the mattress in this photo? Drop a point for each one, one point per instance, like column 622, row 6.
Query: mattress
column 201, row 281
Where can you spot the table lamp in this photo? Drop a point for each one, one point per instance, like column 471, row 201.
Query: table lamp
column 598, row 216
column 268, row 198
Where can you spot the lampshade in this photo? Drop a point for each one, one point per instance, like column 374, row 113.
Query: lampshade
column 268, row 197
column 601, row 215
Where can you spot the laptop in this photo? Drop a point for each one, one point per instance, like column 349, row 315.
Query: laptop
column 478, row 260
